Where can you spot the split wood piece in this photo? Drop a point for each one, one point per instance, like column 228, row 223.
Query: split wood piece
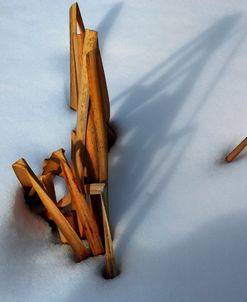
column 110, row 268
column 90, row 43
column 230, row 157
column 103, row 87
column 97, row 107
column 75, row 22
column 62, row 223
column 71, row 217
column 89, row 223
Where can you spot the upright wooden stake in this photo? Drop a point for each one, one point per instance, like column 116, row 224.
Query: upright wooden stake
column 90, row 42
column 75, row 21
column 103, row 87
column 99, row 120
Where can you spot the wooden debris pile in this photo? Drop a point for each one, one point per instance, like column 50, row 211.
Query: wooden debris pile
column 82, row 215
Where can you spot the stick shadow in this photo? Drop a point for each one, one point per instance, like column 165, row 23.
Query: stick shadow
column 150, row 108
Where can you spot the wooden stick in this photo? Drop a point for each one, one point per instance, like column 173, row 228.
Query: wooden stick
column 110, row 268
column 90, row 42
column 230, row 157
column 75, row 242
column 99, row 120
column 75, row 19
column 88, row 221
column 103, row 86
column 78, row 41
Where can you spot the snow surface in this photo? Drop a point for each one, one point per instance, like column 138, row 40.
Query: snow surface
column 177, row 74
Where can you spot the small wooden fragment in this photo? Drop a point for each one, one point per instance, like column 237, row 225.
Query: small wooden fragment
column 230, row 157
column 70, row 235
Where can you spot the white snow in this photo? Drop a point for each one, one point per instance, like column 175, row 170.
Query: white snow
column 176, row 73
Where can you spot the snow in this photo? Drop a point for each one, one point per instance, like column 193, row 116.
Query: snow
column 176, row 72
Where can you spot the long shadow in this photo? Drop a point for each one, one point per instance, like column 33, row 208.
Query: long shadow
column 150, row 151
